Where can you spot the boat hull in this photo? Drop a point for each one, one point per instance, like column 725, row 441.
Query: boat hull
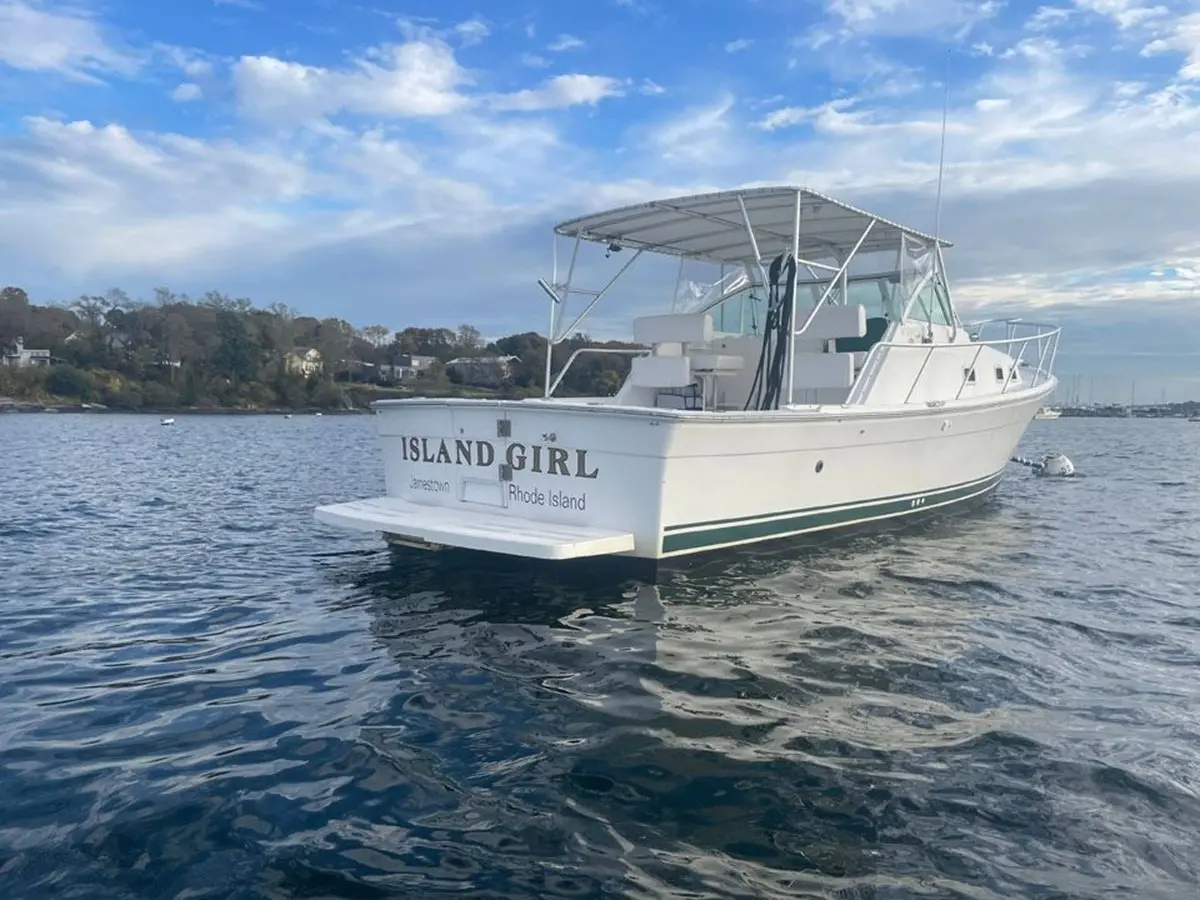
column 561, row 481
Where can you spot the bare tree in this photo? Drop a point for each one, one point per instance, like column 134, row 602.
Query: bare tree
column 469, row 339
column 377, row 336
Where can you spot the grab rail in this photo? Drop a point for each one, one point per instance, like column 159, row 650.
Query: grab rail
column 1045, row 336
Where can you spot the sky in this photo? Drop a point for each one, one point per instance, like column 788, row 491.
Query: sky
column 404, row 163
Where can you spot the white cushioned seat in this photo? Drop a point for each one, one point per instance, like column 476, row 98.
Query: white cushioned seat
column 831, row 322
column 660, row 371
column 824, row 370
column 675, row 328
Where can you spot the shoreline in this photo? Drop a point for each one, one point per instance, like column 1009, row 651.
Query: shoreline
column 77, row 409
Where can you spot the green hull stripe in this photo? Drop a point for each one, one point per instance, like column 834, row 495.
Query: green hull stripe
column 735, row 531
column 815, row 509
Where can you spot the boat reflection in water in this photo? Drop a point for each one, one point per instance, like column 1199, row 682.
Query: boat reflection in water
column 767, row 724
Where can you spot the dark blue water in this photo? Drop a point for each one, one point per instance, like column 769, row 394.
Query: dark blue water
column 205, row 695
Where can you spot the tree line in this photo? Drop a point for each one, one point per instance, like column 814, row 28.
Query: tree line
column 218, row 351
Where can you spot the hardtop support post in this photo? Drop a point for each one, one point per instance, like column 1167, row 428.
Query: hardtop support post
column 596, row 296
column 571, row 268
column 844, row 266
column 791, row 348
column 678, row 281
column 549, row 346
column 753, row 240
column 565, row 295
column 600, row 293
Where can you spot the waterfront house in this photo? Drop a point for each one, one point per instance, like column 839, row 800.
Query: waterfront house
column 481, row 371
column 406, row 367
column 305, row 361
column 22, row 357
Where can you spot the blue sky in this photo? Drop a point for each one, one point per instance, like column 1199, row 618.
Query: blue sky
column 404, row 162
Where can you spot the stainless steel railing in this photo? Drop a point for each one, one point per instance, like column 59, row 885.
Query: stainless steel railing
column 1043, row 338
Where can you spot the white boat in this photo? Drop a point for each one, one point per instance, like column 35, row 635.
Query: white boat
column 1048, row 412
column 169, row 420
column 823, row 380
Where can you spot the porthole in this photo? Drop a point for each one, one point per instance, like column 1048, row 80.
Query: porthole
column 820, row 465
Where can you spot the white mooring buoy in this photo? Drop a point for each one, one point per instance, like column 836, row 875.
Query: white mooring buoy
column 1054, row 464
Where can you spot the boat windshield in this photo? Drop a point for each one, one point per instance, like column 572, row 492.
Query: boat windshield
column 741, row 313
column 744, row 312
column 931, row 305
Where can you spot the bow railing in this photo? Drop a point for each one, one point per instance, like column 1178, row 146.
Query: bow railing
column 1031, row 345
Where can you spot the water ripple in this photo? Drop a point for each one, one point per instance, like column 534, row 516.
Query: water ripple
column 204, row 695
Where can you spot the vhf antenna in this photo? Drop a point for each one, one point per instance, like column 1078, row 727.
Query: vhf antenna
column 937, row 206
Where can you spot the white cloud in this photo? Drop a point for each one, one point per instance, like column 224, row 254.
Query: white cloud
column 987, row 104
column 739, row 45
column 187, row 92
column 472, row 31
column 147, row 193
column 191, row 62
column 564, row 42
column 381, row 161
column 1183, row 37
column 788, row 116
column 895, row 18
column 560, row 92
column 166, row 208
column 1046, row 18
column 1125, row 14
column 698, row 135
column 514, row 155
column 67, row 42
column 838, row 117
column 414, row 79
column 856, row 64
column 1051, row 174
column 534, row 61
column 1128, row 90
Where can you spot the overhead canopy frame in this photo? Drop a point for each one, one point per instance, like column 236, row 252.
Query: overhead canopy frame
column 712, row 226
column 746, row 227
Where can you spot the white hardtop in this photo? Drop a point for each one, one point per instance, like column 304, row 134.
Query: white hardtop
column 718, row 226
column 815, row 303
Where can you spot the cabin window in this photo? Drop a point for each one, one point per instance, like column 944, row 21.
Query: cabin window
column 999, row 373
column 969, row 374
